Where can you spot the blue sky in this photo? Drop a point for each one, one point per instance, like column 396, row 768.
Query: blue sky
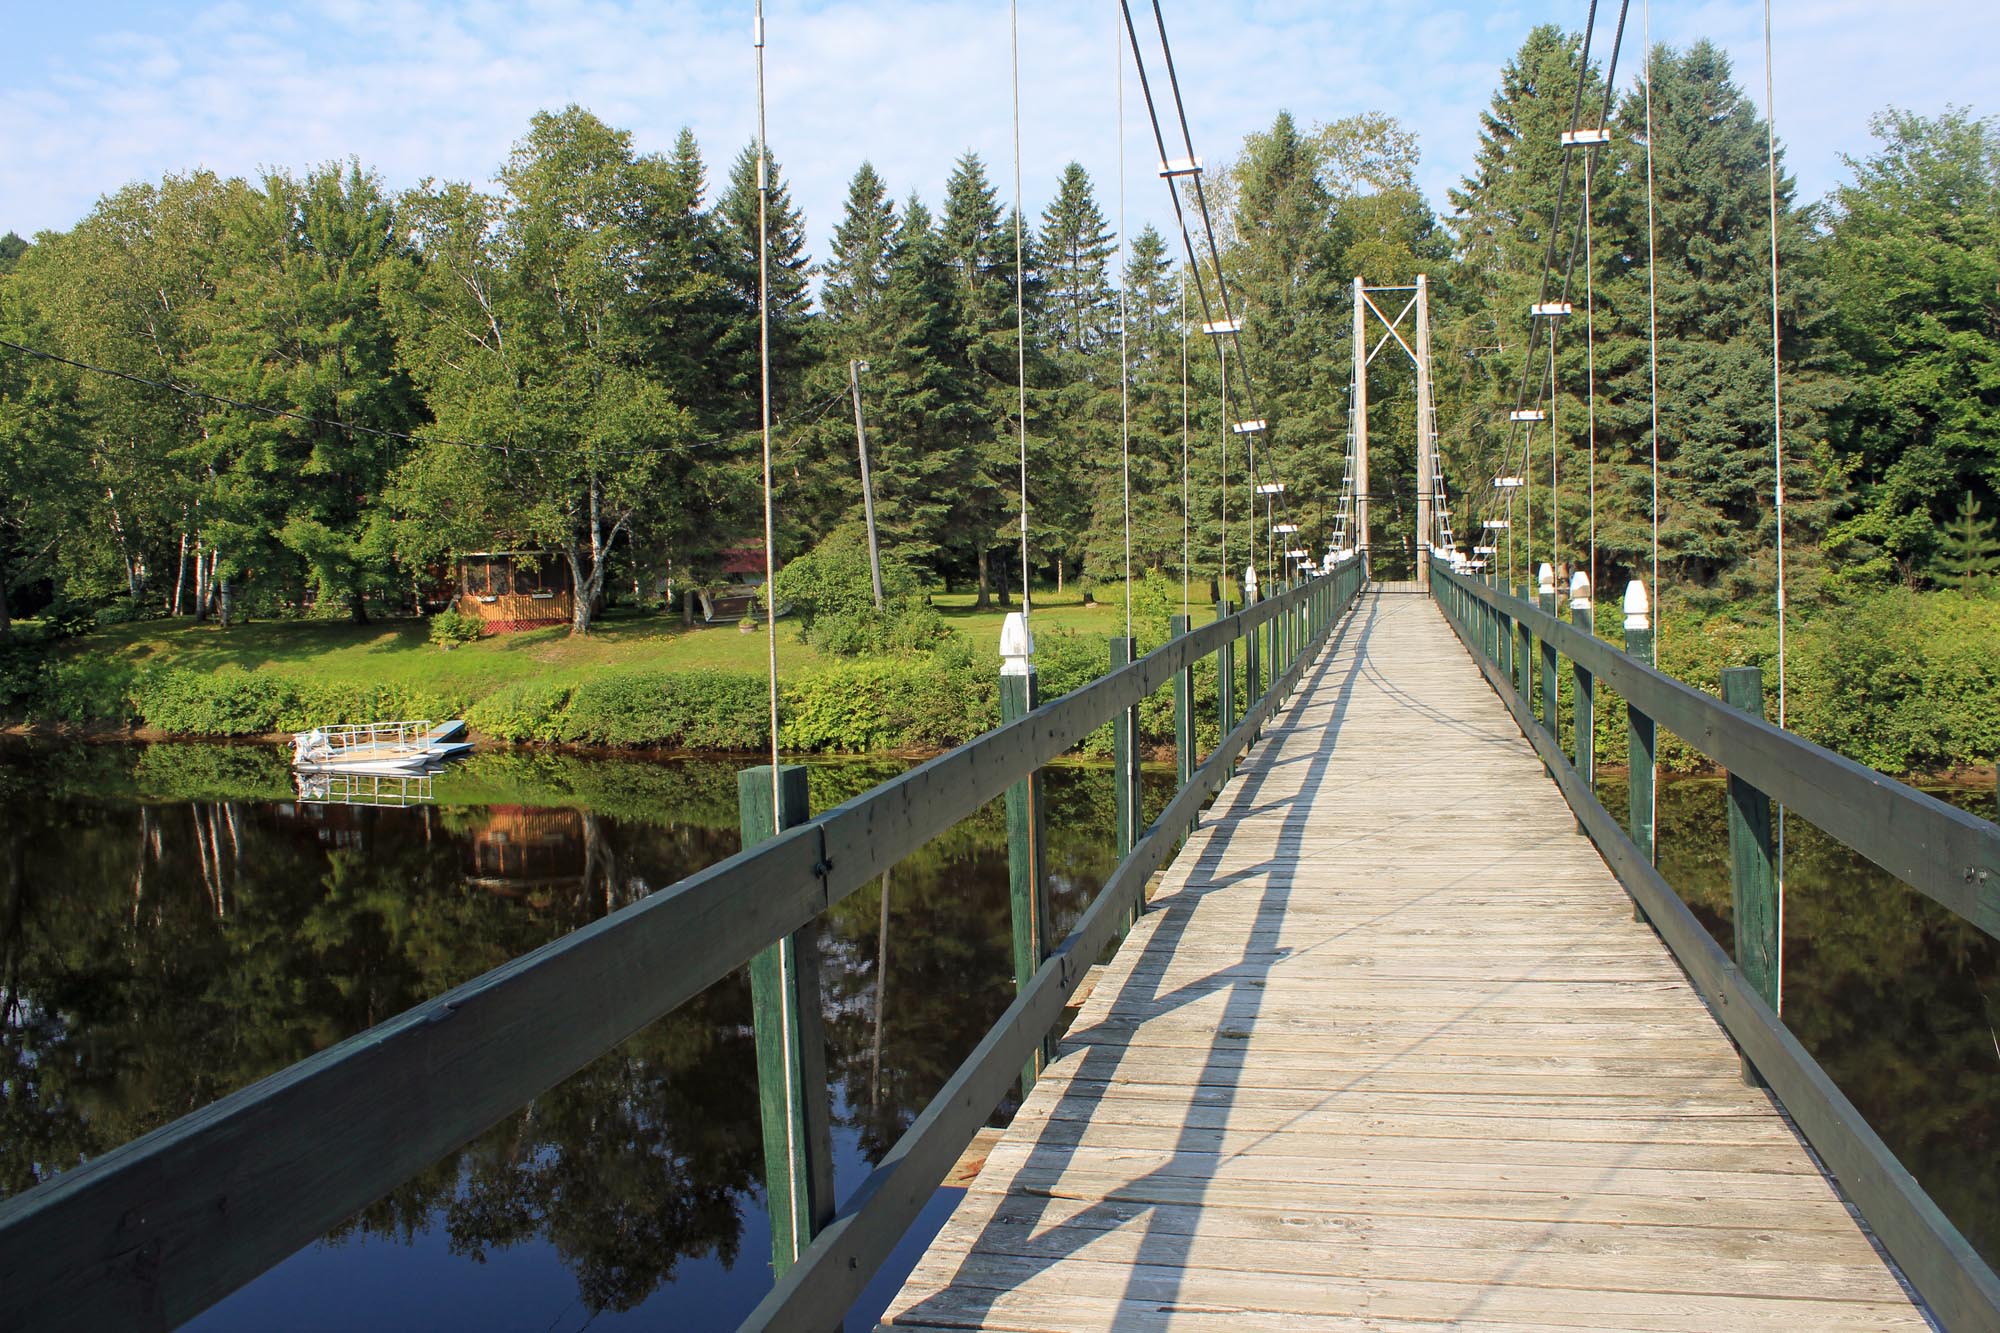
column 100, row 92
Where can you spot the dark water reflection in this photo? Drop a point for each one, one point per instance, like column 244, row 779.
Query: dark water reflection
column 1896, row 997
column 176, row 924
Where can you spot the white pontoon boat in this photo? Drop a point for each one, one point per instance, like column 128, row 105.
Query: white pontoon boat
column 378, row 747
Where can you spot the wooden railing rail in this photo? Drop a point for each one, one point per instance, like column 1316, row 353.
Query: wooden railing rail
column 1949, row 855
column 155, row 1231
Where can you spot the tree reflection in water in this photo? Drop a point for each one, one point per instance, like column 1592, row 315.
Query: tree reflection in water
column 175, row 924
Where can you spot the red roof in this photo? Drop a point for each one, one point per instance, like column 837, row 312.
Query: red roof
column 743, row 559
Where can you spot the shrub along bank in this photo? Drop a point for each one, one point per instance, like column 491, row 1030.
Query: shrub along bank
column 1902, row 681
column 855, row 706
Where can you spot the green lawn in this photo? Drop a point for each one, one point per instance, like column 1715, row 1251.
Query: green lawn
column 399, row 652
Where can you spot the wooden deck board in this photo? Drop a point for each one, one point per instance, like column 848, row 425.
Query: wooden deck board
column 1389, row 1052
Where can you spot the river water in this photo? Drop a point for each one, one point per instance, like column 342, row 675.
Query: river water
column 176, row 922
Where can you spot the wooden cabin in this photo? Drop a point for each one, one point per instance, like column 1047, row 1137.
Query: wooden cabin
column 515, row 590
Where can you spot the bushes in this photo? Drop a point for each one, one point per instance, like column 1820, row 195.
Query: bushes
column 451, row 627
column 226, row 702
column 833, row 594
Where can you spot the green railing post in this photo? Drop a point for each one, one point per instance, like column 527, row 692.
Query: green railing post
column 1027, row 840
column 1551, row 690
column 1225, row 674
column 1583, row 700
column 792, row 1092
column 1251, row 657
column 1641, row 738
column 1753, row 876
column 1183, row 712
column 1505, row 635
column 1125, row 756
column 1524, row 656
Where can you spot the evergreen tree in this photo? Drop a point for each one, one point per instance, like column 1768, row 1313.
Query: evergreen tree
column 787, row 271
column 931, row 416
column 978, row 244
column 823, row 481
column 1077, row 246
column 1968, row 550
column 857, row 270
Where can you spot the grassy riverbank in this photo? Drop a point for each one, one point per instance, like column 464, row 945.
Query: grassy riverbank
column 1905, row 682
column 637, row 681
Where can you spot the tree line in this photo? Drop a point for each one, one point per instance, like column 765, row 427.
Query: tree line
column 567, row 362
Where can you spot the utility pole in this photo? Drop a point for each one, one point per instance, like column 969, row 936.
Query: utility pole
column 854, row 369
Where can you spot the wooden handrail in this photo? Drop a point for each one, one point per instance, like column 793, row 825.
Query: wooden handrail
column 155, row 1231
column 1945, row 853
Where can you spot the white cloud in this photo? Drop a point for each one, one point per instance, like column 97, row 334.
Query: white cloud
column 437, row 88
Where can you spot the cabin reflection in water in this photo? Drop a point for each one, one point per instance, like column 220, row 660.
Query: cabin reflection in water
column 522, row 848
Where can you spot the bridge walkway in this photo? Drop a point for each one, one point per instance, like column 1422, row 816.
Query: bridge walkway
column 1388, row 1051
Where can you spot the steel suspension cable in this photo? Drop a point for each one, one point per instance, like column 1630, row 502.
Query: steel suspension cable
column 1020, row 301
column 1185, row 423
column 1590, row 369
column 1777, row 454
column 1124, row 333
column 764, row 412
column 1201, row 199
column 1556, row 214
column 1653, row 334
column 798, row 1223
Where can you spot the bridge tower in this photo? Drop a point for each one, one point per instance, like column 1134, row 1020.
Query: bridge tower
column 1431, row 515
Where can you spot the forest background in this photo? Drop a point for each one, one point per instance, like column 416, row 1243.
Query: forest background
column 568, row 362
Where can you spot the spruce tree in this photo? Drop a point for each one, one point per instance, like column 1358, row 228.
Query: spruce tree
column 1968, row 550
column 1077, row 246
column 929, row 419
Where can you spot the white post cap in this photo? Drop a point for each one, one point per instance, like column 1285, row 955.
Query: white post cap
column 1545, row 578
column 1637, row 608
column 1017, row 646
column 1250, row 582
column 1579, row 591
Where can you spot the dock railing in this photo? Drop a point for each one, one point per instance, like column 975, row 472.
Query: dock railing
column 1942, row 852
column 153, row 1232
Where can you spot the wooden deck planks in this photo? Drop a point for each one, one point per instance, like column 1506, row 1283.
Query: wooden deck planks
column 1389, row 1052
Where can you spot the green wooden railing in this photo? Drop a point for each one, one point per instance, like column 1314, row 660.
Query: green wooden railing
column 154, row 1232
column 1945, row 853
